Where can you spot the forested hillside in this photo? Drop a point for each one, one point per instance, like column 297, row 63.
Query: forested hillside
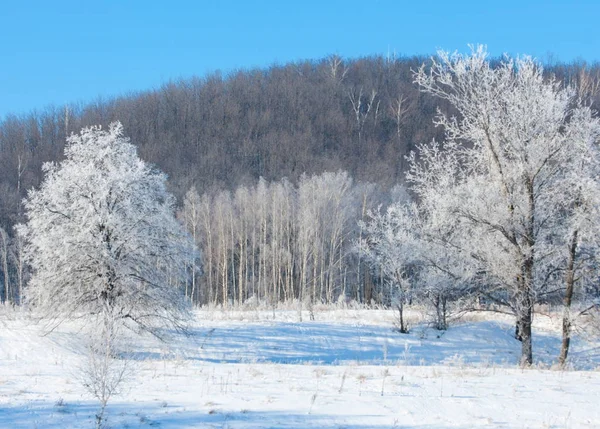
column 361, row 116
column 219, row 132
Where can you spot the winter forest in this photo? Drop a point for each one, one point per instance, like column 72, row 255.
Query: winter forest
column 458, row 182
column 317, row 221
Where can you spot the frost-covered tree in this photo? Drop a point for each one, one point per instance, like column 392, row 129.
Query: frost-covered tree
column 391, row 248
column 578, row 231
column 410, row 252
column 494, row 179
column 325, row 206
column 5, row 255
column 102, row 373
column 102, row 238
column 275, row 241
column 190, row 216
column 445, row 275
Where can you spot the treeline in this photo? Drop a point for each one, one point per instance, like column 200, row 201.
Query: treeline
column 279, row 241
column 226, row 131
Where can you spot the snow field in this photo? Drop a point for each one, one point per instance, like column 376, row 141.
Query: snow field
column 345, row 370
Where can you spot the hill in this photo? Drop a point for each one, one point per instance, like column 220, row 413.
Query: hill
column 358, row 115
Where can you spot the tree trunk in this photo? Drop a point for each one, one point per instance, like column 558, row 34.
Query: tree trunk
column 524, row 323
column 525, row 311
column 402, row 326
column 569, row 286
column 525, row 292
column 4, row 237
column 440, row 308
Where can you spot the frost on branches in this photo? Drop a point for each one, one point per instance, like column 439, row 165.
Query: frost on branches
column 102, row 238
column 410, row 252
column 504, row 174
column 392, row 249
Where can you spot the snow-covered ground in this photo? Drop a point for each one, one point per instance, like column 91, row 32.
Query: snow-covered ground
column 347, row 369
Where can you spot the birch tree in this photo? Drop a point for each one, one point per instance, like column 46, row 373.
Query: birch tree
column 191, row 219
column 5, row 252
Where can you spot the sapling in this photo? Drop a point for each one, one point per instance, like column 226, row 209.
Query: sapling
column 385, row 373
column 313, row 398
column 102, row 373
column 343, row 381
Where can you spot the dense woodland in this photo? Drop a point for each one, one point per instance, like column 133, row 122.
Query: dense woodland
column 272, row 168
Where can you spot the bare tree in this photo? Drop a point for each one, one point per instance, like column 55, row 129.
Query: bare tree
column 361, row 108
column 336, row 68
column 399, row 109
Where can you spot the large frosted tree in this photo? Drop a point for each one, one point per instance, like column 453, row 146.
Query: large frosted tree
column 498, row 175
column 102, row 238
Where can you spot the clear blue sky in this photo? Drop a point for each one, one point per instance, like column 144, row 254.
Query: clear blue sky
column 56, row 52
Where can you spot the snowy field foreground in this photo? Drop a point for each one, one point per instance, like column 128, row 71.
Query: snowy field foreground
column 347, row 369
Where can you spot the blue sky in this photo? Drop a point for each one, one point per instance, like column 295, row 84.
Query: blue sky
column 56, row 52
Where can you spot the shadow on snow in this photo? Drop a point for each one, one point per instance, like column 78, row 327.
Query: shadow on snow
column 51, row 416
column 483, row 343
